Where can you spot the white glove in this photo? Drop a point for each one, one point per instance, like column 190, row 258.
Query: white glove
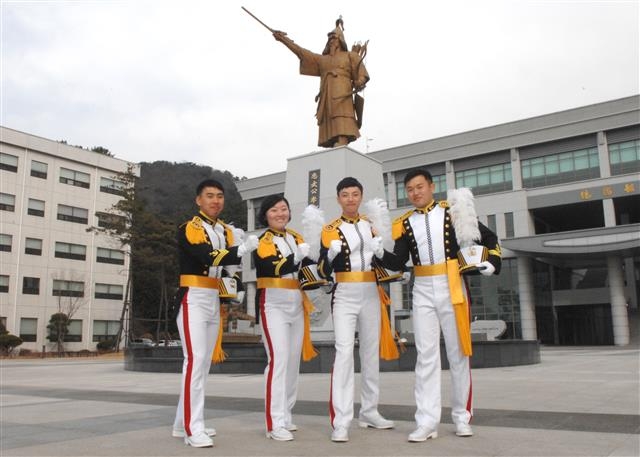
column 250, row 244
column 376, row 246
column 406, row 277
column 239, row 296
column 335, row 248
column 486, row 268
column 302, row 251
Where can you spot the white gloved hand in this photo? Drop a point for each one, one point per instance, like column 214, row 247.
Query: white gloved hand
column 250, row 244
column 301, row 251
column 406, row 277
column 486, row 268
column 335, row 248
column 239, row 296
column 376, row 246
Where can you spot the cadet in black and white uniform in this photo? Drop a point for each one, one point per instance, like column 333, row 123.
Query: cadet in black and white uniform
column 279, row 300
column 426, row 234
column 348, row 248
column 205, row 246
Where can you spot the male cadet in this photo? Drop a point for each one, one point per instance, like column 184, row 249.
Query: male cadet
column 348, row 247
column 426, row 233
column 205, row 245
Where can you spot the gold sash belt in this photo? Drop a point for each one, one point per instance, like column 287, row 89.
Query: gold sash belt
column 355, row 276
column 278, row 283
column 199, row 281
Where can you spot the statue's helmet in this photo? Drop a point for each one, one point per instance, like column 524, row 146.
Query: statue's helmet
column 338, row 33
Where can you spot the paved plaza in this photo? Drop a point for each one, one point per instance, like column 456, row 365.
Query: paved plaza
column 576, row 402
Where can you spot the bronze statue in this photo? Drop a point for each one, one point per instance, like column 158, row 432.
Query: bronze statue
column 342, row 75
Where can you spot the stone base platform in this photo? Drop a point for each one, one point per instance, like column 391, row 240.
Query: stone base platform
column 252, row 358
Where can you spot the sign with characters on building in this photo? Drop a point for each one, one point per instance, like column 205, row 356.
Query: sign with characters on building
column 313, row 194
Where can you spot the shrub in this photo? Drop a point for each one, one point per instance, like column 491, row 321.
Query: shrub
column 106, row 345
column 8, row 342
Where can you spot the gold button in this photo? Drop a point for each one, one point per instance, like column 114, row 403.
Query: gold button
column 446, row 225
column 446, row 241
column 446, row 233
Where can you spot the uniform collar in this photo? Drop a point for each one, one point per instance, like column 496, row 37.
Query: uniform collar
column 350, row 220
column 427, row 208
column 277, row 232
column 207, row 219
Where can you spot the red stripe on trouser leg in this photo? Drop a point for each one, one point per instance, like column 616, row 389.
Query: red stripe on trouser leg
column 332, row 412
column 265, row 328
column 470, row 398
column 187, row 379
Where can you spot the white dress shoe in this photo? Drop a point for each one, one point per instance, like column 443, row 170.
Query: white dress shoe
column 463, row 430
column 179, row 432
column 375, row 421
column 291, row 427
column 198, row 440
column 280, row 434
column 422, row 434
column 340, row 435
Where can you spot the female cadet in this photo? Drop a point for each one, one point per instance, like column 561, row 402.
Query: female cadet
column 283, row 314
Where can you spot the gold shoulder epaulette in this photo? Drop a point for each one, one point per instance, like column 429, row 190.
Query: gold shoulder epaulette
column 443, row 204
column 195, row 232
column 364, row 217
column 296, row 235
column 266, row 246
column 334, row 224
column 330, row 232
column 397, row 226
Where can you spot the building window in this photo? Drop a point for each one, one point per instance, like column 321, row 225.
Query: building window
column 491, row 222
column 625, row 157
column 4, row 283
column 30, row 286
column 62, row 288
column 7, row 202
column 560, row 168
column 28, row 329
column 5, row 242
column 111, row 186
column 71, row 251
column 33, row 246
column 39, row 169
column 74, row 332
column 486, row 180
column 74, row 178
column 105, row 330
column 73, row 214
column 8, row 162
column 110, row 221
column 508, row 225
column 35, row 208
column 440, row 192
column 110, row 256
column 109, row 291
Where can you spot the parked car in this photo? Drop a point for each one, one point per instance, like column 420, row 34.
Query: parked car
column 169, row 343
column 141, row 342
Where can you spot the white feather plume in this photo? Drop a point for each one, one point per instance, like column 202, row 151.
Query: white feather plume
column 238, row 239
column 463, row 216
column 312, row 223
column 238, row 235
column 378, row 213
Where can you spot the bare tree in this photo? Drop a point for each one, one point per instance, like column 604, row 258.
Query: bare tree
column 70, row 300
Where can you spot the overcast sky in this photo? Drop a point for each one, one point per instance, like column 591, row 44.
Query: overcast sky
column 201, row 81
